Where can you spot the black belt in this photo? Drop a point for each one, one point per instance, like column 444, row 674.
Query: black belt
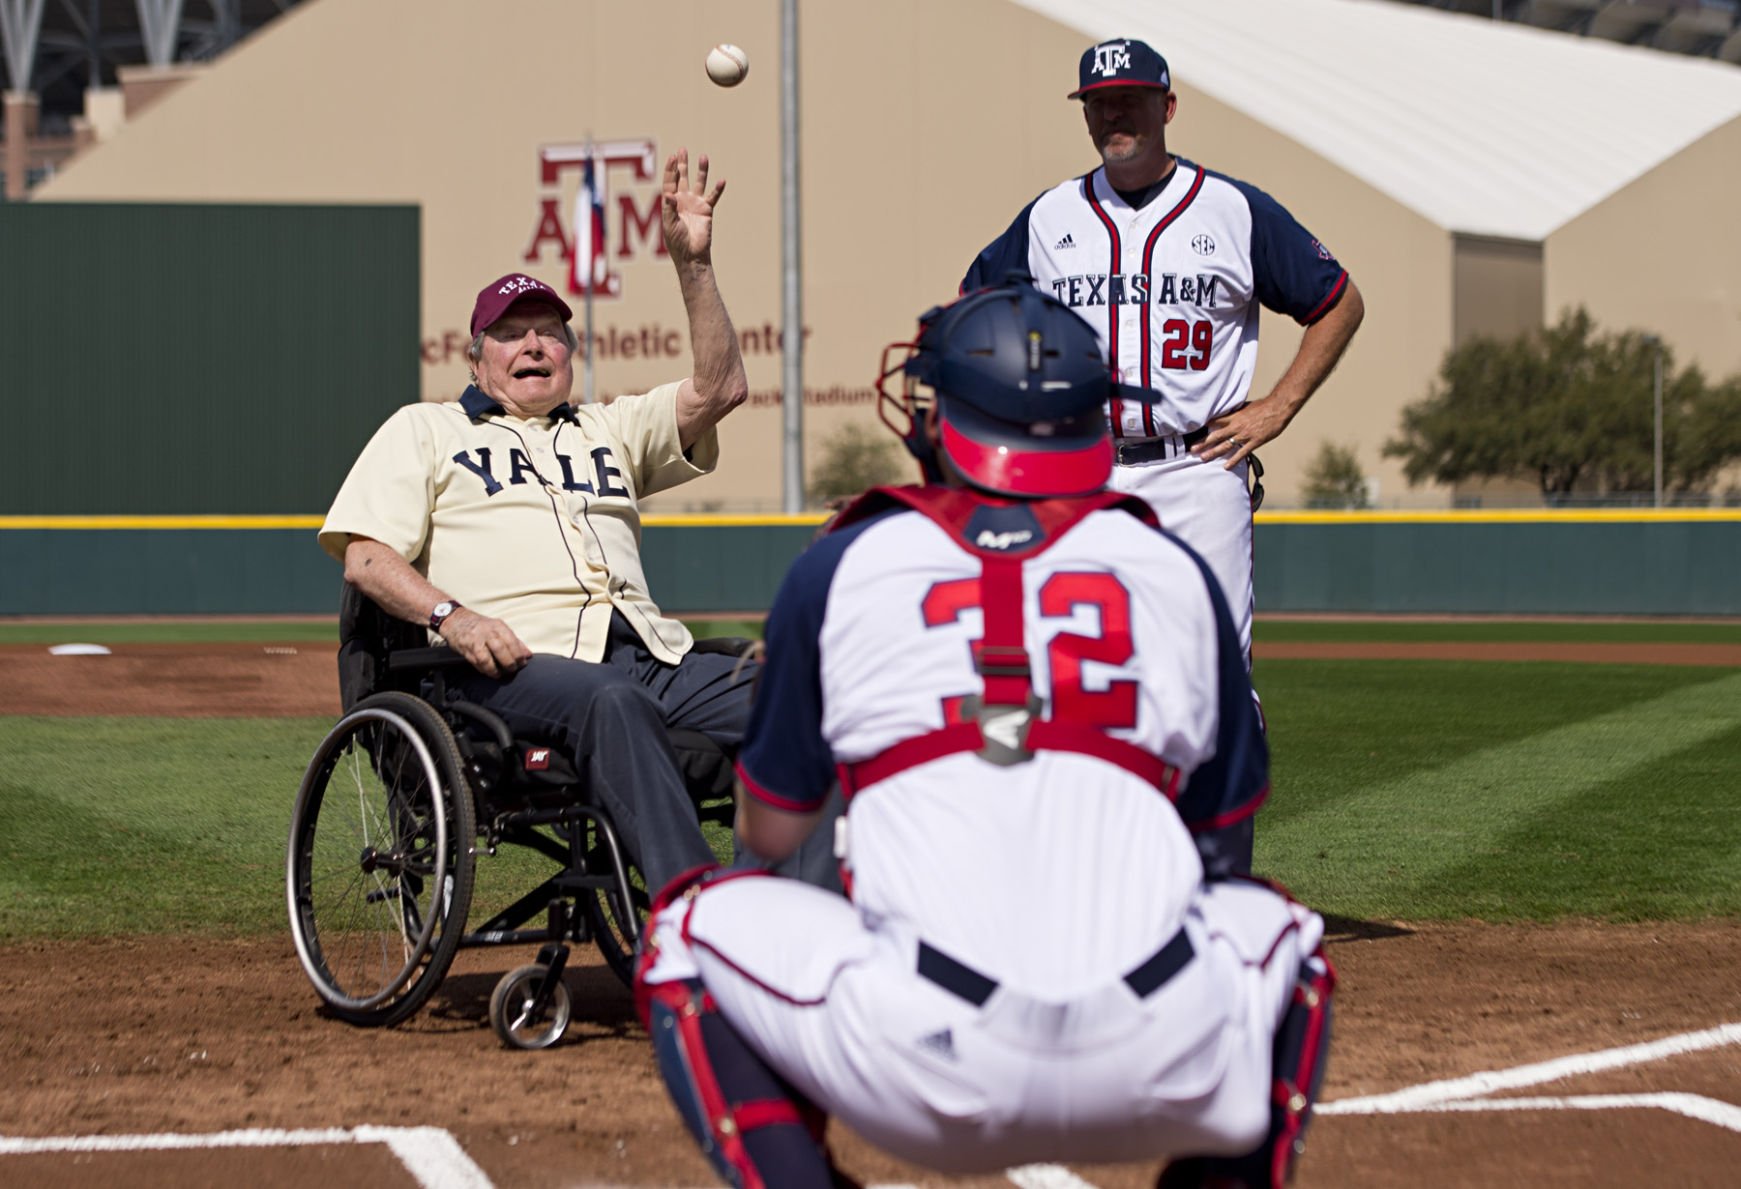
column 962, row 980
column 1131, row 450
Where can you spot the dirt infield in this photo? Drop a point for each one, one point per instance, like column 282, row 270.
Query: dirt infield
column 271, row 680
column 192, row 1036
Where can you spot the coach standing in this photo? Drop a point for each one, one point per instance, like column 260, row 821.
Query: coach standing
column 1170, row 263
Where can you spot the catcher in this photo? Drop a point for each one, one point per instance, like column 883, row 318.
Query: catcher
column 1045, row 956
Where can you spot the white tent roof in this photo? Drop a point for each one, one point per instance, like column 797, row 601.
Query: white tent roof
column 1481, row 126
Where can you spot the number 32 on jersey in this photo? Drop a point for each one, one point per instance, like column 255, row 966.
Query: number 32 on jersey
column 1061, row 596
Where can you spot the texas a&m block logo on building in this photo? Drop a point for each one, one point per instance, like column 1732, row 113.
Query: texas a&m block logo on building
column 597, row 229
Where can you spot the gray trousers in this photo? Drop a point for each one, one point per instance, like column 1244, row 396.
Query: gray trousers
column 611, row 719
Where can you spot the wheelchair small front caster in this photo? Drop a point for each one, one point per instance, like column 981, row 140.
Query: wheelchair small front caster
column 530, row 1007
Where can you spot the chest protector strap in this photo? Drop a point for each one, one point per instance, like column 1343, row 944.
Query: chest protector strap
column 1003, row 724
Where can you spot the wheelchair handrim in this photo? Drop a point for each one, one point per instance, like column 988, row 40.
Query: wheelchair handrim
column 302, row 923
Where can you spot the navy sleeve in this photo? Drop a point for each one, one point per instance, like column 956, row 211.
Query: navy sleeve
column 1228, row 788
column 785, row 760
column 1293, row 273
column 1006, row 254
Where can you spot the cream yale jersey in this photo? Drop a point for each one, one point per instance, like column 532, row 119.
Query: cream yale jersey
column 534, row 521
column 1026, row 704
column 1172, row 288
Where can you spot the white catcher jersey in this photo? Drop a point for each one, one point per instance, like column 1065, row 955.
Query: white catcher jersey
column 1173, row 289
column 879, row 634
column 534, row 521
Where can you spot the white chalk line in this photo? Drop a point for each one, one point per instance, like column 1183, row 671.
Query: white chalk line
column 1693, row 1106
column 436, row 1160
column 1469, row 1093
column 1045, row 1176
column 432, row 1156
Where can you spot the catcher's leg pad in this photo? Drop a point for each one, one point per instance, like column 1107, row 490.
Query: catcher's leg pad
column 753, row 1128
column 1297, row 1072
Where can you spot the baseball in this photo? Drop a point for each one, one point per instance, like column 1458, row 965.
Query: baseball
column 727, row 65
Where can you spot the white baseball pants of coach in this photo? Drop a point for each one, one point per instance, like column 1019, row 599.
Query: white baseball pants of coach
column 1209, row 508
column 839, row 1010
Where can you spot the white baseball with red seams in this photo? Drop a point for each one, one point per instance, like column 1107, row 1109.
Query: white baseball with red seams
column 727, row 65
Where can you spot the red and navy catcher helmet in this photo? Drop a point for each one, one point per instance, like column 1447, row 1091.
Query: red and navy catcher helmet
column 1018, row 388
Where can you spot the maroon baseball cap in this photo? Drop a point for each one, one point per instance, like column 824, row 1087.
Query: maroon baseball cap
column 495, row 298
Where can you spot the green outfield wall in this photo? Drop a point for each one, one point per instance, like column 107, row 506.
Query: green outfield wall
column 230, row 359
column 1478, row 563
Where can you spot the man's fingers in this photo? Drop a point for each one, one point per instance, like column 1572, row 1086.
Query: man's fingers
column 701, row 174
column 713, row 194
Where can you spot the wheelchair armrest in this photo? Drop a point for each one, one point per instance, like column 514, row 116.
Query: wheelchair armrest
column 729, row 645
column 424, row 658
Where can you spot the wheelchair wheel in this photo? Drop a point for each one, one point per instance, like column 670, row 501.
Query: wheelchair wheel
column 609, row 918
column 379, row 873
column 515, row 1015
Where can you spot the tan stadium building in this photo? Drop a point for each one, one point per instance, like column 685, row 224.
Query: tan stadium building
column 1475, row 177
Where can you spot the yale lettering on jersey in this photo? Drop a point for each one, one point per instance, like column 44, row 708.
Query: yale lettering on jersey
column 1137, row 288
column 523, row 471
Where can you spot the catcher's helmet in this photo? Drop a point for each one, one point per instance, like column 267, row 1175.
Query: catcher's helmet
column 1019, row 388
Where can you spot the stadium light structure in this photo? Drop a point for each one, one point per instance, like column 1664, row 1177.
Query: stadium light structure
column 792, row 333
column 1651, row 340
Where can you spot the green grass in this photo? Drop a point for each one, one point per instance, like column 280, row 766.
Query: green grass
column 169, row 631
column 246, row 631
column 1422, row 790
column 1409, row 790
column 144, row 825
column 174, row 631
column 1291, row 631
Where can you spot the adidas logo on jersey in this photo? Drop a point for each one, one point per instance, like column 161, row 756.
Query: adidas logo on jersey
column 1066, row 242
column 941, row 1043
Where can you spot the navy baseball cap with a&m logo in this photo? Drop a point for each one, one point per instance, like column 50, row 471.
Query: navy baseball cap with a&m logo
column 1121, row 62
column 495, row 298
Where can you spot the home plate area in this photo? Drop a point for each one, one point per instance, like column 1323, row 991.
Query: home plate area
column 1451, row 1131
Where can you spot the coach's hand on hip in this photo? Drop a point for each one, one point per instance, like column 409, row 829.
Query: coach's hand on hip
column 1234, row 437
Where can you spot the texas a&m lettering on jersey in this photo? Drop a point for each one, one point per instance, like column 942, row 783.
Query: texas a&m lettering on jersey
column 1173, row 287
column 1099, row 289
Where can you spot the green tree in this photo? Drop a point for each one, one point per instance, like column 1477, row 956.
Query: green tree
column 1571, row 408
column 856, row 457
column 1334, row 479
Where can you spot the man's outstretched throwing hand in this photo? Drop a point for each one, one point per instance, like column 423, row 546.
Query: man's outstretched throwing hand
column 686, row 210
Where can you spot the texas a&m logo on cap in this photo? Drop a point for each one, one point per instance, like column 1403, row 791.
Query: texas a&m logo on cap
column 1112, row 57
column 1122, row 62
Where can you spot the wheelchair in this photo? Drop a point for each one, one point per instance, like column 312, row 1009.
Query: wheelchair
column 406, row 792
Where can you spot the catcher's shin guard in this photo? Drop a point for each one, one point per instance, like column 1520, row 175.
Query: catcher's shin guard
column 1297, row 1066
column 754, row 1129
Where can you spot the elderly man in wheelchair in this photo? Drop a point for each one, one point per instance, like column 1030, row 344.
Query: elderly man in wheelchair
column 505, row 524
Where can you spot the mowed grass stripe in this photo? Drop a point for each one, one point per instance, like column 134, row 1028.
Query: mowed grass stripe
column 146, row 825
column 1461, row 837
column 1633, row 851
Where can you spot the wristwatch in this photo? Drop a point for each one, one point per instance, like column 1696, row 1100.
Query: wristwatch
column 439, row 615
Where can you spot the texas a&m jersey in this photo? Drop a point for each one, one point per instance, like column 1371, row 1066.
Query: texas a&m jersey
column 1173, row 289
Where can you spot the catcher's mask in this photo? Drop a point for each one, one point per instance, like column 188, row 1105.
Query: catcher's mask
column 1017, row 396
